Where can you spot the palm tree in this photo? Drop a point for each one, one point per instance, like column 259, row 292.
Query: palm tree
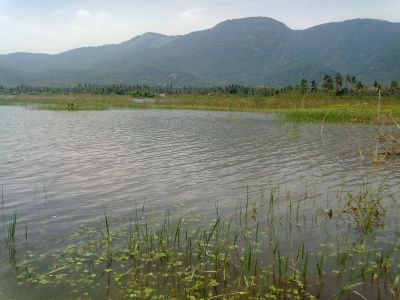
column 375, row 85
column 359, row 86
column 394, row 86
column 338, row 81
column 303, row 86
column 314, row 86
column 327, row 84
column 353, row 82
column 348, row 79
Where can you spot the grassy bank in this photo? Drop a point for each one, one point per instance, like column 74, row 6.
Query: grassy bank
column 269, row 247
column 293, row 106
column 70, row 102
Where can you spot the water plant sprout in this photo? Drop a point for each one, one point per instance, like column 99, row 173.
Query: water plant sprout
column 262, row 249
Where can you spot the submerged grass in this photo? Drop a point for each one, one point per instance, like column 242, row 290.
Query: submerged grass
column 260, row 250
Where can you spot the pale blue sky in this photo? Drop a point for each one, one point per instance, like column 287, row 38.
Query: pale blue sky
column 54, row 26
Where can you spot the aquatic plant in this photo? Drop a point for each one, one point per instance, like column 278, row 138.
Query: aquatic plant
column 237, row 255
column 10, row 240
column 365, row 208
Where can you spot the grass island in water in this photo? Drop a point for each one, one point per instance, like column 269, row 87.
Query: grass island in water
column 292, row 105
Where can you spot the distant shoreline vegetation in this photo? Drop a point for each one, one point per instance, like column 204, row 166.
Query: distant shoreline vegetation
column 337, row 85
column 337, row 99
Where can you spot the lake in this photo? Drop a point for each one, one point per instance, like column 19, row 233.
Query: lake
column 62, row 170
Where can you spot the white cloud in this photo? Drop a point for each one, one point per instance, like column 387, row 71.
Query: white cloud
column 88, row 29
column 19, row 35
column 193, row 19
column 391, row 11
column 85, row 23
column 52, row 26
column 194, row 13
column 85, row 18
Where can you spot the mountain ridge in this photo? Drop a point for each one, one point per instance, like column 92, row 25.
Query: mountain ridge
column 251, row 51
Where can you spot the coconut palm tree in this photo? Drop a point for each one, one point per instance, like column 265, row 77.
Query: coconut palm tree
column 353, row 82
column 375, row 85
column 304, row 86
column 339, row 82
column 327, row 84
column 314, row 86
column 359, row 86
column 348, row 80
column 394, row 86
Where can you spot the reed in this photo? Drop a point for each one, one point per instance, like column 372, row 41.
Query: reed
column 11, row 242
column 230, row 255
column 11, row 229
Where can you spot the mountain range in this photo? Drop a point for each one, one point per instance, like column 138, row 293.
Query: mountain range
column 251, row 51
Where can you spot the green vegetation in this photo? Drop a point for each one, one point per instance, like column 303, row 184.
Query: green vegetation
column 142, row 94
column 305, row 103
column 256, row 251
column 70, row 102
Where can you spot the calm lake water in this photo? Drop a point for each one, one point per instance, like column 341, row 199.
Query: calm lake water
column 60, row 170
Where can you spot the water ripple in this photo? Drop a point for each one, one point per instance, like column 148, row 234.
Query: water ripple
column 70, row 167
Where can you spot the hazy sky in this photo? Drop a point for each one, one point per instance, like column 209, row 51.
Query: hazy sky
column 54, row 26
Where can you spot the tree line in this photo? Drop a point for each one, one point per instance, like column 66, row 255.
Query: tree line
column 338, row 85
column 144, row 90
column 345, row 85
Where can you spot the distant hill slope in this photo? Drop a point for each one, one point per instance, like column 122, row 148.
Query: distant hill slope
column 251, row 51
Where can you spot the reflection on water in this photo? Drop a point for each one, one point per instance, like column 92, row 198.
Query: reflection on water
column 60, row 170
